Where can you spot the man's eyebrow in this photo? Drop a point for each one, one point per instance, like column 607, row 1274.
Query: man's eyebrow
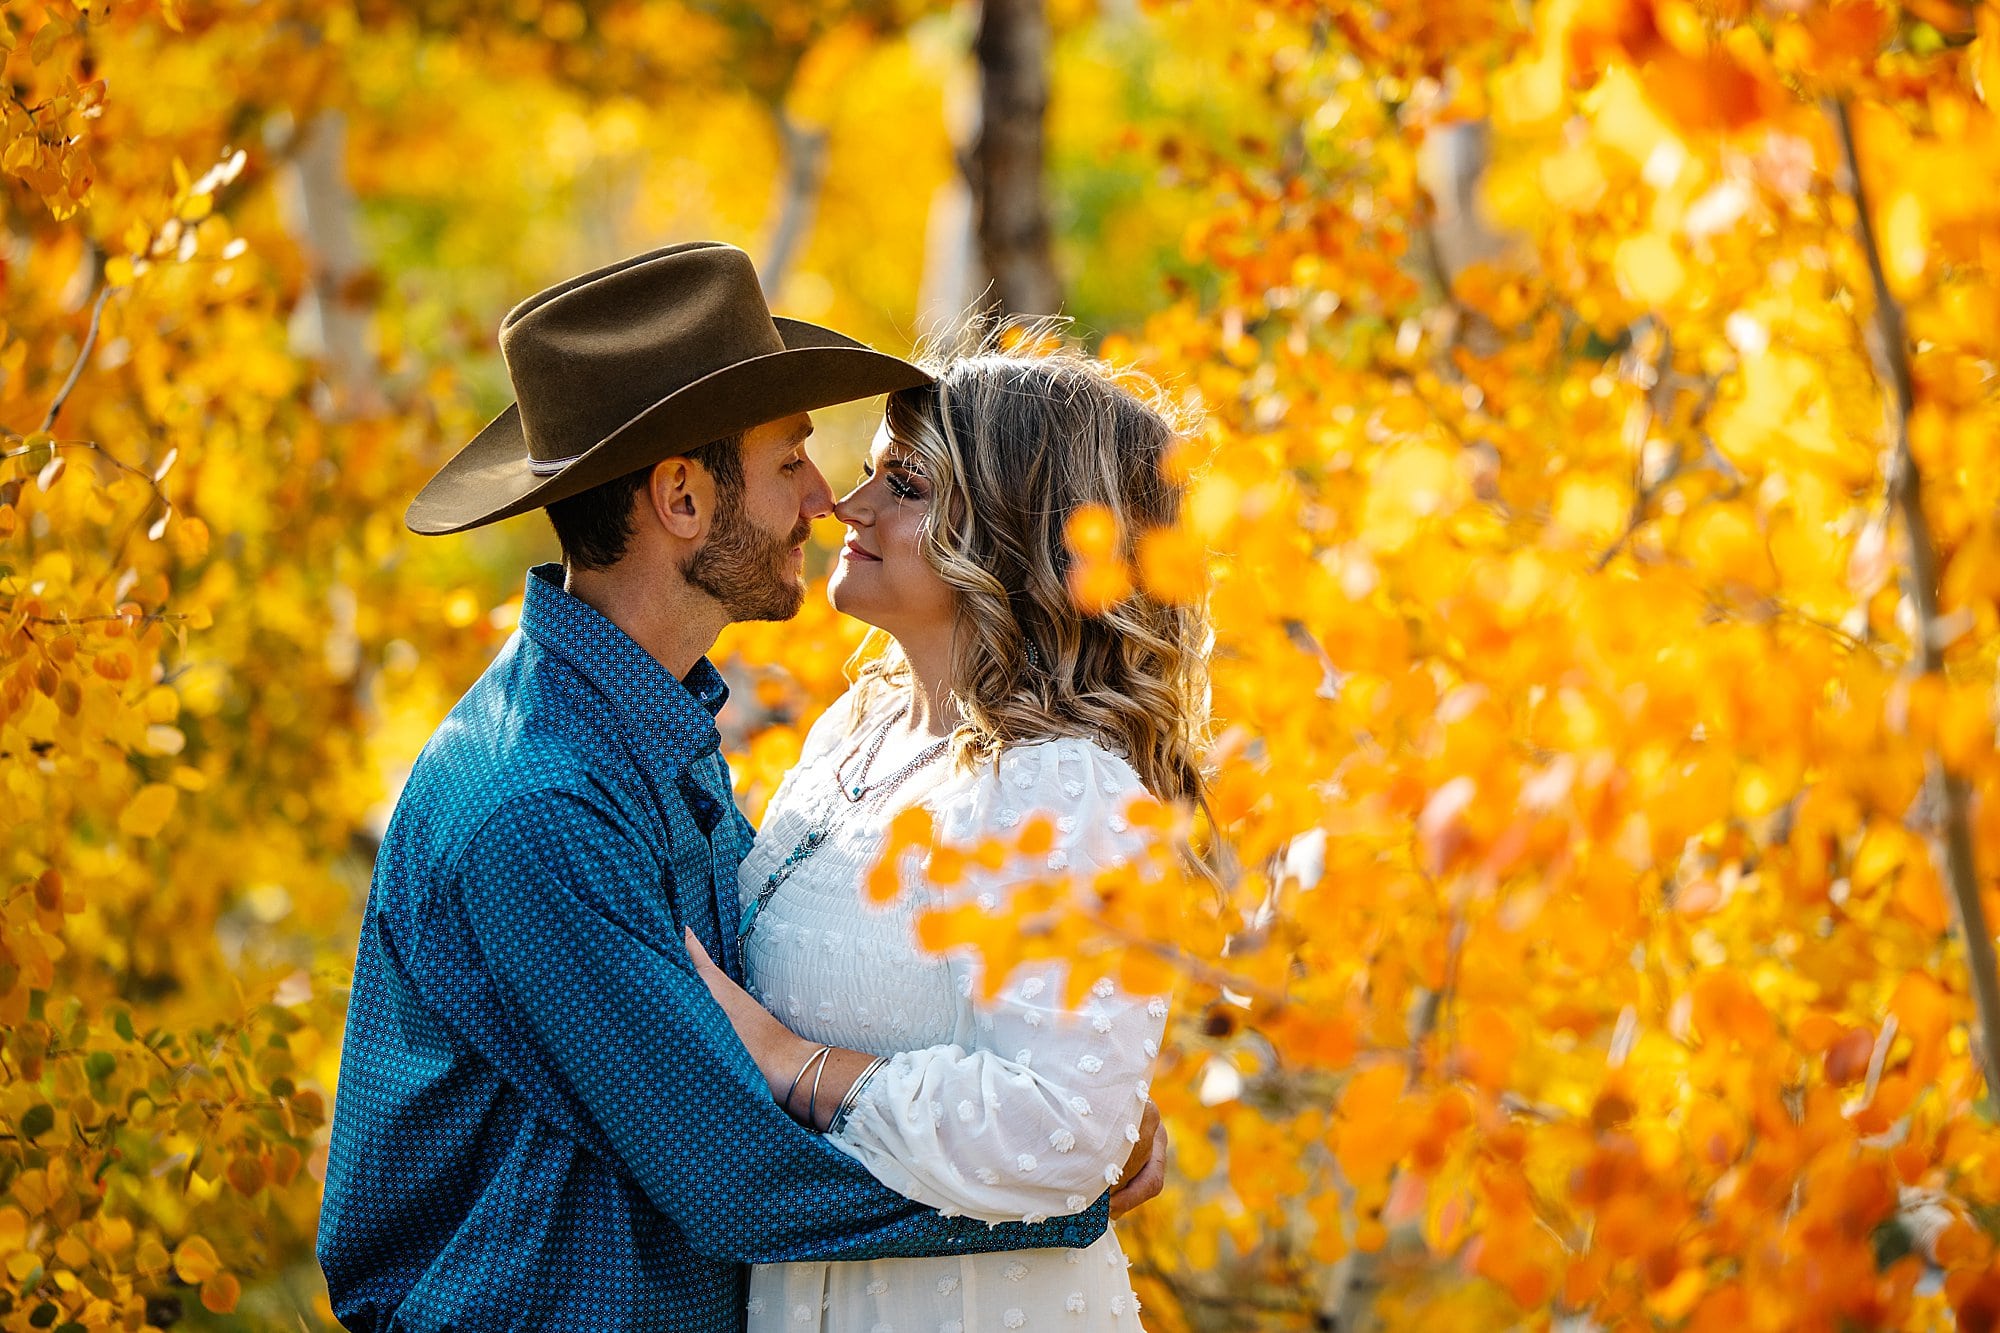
column 800, row 436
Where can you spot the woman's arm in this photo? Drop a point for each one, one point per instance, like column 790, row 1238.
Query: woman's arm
column 814, row 1089
column 809, row 1089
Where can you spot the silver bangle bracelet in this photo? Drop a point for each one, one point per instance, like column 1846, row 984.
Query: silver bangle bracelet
column 819, row 1055
column 853, row 1096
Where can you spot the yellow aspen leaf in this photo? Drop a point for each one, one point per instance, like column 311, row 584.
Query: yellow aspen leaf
column 1530, row 93
column 152, row 1258
column 946, row 867
column 1038, row 835
column 150, row 809
column 1591, row 507
column 44, row 44
column 1905, row 245
column 1373, row 1093
column 1098, row 584
column 1725, row 1008
column 1649, row 270
column 21, row 154
column 1573, row 179
column 1724, row 541
column 114, row 1234
column 1173, row 566
column 195, row 1261
column 72, row 1251
column 220, row 1292
column 884, row 880
column 246, row 1173
column 1092, row 531
column 13, row 1229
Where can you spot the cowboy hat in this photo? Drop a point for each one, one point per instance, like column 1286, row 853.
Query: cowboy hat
column 631, row 364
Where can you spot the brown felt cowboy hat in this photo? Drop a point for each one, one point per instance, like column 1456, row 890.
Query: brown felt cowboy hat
column 628, row 365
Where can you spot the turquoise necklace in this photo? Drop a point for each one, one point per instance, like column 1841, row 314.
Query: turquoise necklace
column 857, row 792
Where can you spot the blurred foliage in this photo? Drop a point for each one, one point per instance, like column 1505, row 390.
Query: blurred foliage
column 1591, row 958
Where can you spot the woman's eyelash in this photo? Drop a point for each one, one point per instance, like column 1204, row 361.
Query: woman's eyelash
column 899, row 488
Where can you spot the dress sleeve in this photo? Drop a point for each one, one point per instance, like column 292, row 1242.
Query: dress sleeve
column 1035, row 1114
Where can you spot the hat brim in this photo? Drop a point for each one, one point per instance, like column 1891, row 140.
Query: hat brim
column 490, row 478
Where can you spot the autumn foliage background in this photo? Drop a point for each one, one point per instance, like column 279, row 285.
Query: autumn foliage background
column 1599, row 492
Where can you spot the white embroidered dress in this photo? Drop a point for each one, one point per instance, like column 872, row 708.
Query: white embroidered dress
column 1013, row 1109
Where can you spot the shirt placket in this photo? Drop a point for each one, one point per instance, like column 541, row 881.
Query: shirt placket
column 710, row 908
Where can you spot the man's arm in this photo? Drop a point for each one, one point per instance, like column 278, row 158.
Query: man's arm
column 579, row 944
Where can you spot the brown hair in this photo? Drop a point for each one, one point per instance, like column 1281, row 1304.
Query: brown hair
column 1015, row 439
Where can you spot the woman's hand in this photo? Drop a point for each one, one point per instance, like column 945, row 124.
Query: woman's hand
column 777, row 1050
column 780, row 1053
column 1145, row 1171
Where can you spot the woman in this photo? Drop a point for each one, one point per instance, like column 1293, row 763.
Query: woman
column 995, row 699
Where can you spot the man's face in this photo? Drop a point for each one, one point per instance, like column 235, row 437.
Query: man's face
column 754, row 559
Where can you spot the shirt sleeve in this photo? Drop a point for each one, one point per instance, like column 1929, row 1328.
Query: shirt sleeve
column 588, row 961
column 1037, row 1112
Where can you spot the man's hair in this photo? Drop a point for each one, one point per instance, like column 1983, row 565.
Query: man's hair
column 594, row 526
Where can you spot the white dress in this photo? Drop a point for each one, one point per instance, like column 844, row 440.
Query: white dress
column 1014, row 1109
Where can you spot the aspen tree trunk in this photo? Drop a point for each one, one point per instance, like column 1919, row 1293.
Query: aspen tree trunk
column 1007, row 160
column 951, row 280
column 331, row 321
column 798, row 199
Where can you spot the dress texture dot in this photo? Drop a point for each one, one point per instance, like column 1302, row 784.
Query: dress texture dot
column 960, row 1117
column 543, row 1121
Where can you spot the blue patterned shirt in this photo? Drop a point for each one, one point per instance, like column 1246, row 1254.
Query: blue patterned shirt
column 543, row 1120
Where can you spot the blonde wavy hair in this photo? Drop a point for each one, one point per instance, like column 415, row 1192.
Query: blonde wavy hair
column 1015, row 435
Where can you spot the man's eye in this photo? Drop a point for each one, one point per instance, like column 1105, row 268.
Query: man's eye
column 794, row 466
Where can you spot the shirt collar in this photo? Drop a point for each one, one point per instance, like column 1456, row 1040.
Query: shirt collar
column 673, row 719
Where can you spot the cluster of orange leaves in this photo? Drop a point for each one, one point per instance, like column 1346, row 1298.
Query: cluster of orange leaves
column 1585, row 952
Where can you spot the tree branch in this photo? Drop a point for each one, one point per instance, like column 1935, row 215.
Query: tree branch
column 82, row 360
column 1952, row 847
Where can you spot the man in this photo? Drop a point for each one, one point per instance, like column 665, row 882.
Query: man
column 543, row 1121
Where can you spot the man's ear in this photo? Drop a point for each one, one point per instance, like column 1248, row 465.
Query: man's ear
column 680, row 496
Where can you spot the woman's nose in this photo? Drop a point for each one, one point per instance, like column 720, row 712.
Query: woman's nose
column 852, row 509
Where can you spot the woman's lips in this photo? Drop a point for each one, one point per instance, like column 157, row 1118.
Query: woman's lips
column 857, row 553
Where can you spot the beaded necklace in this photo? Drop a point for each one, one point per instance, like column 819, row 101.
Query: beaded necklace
column 861, row 796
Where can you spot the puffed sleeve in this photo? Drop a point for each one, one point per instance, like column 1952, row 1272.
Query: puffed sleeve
column 1034, row 1114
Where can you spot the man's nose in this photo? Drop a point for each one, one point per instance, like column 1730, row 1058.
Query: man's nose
column 818, row 501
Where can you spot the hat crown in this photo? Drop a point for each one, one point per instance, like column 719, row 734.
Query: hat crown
column 591, row 354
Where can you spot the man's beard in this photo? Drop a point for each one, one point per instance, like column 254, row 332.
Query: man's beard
column 747, row 569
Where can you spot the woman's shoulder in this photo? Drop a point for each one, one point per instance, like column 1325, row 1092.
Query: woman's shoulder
column 1063, row 775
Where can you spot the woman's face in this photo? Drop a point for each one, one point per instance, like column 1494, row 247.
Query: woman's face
column 883, row 578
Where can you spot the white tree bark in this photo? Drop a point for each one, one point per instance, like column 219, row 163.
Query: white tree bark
column 330, row 322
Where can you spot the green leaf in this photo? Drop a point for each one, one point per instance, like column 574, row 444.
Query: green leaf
column 1892, row 1240
column 99, row 1064
column 121, row 1023
column 38, row 1120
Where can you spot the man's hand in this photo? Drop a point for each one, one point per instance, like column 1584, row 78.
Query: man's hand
column 1146, row 1169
